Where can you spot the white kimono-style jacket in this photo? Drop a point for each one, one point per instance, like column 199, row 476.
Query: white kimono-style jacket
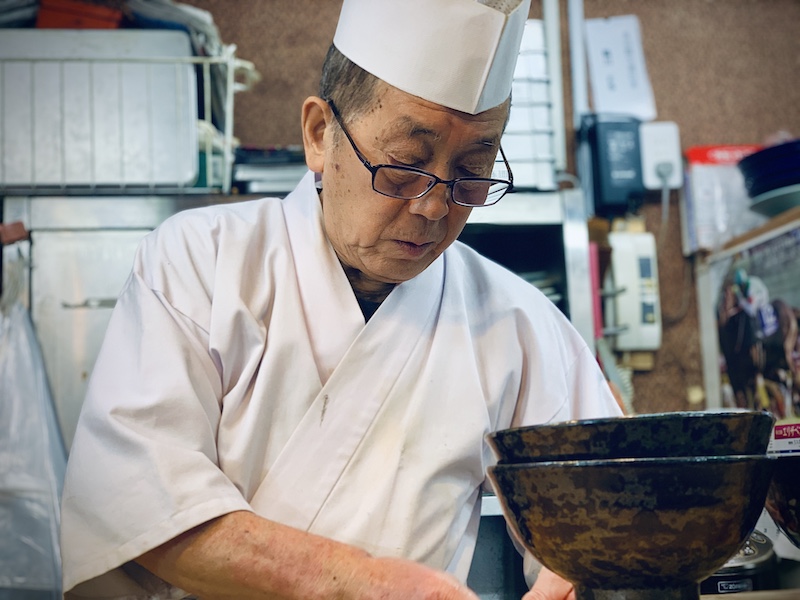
column 238, row 373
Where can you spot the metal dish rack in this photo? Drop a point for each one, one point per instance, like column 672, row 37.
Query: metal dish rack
column 112, row 124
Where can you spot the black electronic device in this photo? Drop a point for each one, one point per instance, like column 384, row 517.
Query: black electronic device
column 616, row 163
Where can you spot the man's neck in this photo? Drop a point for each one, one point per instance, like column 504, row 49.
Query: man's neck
column 367, row 289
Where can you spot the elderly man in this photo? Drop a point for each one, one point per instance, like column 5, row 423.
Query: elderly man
column 293, row 395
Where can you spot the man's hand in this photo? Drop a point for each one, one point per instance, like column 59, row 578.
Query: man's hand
column 549, row 586
column 400, row 579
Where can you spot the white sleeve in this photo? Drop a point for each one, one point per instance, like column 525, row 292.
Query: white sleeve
column 143, row 466
column 564, row 380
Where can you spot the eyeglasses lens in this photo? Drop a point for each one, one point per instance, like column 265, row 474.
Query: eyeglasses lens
column 401, row 183
column 397, row 182
column 477, row 193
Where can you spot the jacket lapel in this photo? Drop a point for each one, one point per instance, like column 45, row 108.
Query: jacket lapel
column 359, row 366
column 333, row 318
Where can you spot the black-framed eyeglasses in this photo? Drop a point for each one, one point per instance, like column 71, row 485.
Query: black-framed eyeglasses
column 409, row 183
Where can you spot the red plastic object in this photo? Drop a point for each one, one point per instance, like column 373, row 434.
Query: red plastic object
column 71, row 14
column 12, row 232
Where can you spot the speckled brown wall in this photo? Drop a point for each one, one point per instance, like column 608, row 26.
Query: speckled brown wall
column 726, row 71
column 287, row 41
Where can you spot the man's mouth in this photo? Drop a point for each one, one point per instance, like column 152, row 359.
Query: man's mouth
column 415, row 249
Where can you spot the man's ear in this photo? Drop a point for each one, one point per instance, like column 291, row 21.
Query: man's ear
column 314, row 121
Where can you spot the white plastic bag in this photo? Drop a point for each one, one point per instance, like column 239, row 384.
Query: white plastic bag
column 32, row 463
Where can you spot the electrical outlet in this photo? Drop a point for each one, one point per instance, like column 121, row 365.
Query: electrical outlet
column 662, row 161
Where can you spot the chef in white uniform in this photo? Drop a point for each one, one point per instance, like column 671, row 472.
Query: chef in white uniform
column 293, row 395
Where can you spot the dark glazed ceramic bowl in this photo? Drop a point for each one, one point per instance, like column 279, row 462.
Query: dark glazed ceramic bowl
column 783, row 499
column 686, row 433
column 771, row 168
column 634, row 528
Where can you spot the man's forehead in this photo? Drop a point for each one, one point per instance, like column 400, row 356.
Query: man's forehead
column 406, row 116
column 410, row 126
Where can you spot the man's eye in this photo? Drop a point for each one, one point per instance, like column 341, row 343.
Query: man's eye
column 406, row 162
column 470, row 172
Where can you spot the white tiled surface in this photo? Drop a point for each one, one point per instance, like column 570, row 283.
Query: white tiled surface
column 528, row 139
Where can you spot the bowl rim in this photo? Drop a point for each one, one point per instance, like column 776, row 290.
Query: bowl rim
column 670, row 415
column 767, row 152
column 624, row 462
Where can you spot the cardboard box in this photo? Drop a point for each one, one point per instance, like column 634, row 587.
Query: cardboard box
column 715, row 207
column 785, row 437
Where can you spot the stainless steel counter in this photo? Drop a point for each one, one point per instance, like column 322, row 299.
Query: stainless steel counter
column 80, row 253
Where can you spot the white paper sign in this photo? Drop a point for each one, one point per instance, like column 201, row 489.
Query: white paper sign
column 617, row 70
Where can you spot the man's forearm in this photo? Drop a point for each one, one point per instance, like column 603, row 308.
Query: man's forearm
column 241, row 555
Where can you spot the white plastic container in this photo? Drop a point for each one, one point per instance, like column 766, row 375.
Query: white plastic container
column 96, row 108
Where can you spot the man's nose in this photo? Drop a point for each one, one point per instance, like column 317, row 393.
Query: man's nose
column 434, row 205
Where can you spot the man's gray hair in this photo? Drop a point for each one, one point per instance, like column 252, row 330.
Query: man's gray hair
column 350, row 87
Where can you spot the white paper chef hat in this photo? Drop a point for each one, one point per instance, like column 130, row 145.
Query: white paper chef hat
column 457, row 53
